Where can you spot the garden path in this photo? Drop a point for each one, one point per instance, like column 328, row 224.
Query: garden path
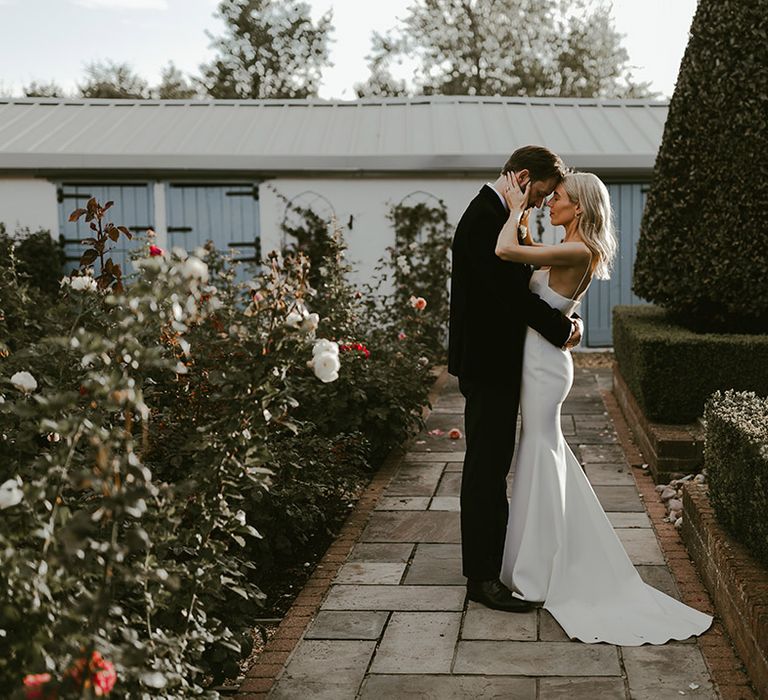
column 395, row 622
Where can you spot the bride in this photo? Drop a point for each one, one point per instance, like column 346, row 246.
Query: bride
column 560, row 547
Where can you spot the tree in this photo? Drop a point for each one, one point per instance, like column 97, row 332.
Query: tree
column 508, row 47
column 270, row 49
column 40, row 89
column 173, row 85
column 701, row 252
column 110, row 80
column 380, row 81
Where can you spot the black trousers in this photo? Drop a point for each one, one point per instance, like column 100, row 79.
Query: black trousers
column 490, row 413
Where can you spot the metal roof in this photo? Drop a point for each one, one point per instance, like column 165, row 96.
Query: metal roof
column 419, row 134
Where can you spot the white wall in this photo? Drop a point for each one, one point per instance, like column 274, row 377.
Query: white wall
column 28, row 202
column 368, row 201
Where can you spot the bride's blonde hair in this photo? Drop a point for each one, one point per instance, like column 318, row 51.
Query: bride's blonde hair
column 596, row 219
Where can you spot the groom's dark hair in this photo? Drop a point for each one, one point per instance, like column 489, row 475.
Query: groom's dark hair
column 540, row 162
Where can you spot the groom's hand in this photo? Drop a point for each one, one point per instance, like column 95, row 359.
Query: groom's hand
column 575, row 339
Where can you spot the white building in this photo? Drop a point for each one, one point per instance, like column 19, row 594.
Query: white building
column 216, row 170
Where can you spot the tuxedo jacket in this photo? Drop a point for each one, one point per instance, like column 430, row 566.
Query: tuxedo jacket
column 491, row 305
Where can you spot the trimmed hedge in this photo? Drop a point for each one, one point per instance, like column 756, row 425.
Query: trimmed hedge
column 701, row 251
column 736, row 457
column 672, row 371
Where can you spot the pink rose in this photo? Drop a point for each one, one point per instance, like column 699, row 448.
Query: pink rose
column 401, row 336
column 34, row 686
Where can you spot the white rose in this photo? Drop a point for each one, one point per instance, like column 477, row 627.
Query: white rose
column 83, row 284
column 24, row 381
column 310, row 322
column 294, row 319
column 194, row 268
column 11, row 493
column 322, row 345
column 326, row 366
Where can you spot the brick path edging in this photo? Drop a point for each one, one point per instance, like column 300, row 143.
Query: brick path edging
column 725, row 667
column 262, row 675
column 736, row 581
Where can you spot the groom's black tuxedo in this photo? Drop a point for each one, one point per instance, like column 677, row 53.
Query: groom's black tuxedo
column 491, row 308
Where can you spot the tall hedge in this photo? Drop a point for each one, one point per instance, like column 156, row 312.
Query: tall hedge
column 702, row 251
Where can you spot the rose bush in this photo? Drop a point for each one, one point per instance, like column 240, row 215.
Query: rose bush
column 171, row 440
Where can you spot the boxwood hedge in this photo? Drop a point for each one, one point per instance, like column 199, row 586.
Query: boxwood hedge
column 701, row 251
column 672, row 370
column 736, row 456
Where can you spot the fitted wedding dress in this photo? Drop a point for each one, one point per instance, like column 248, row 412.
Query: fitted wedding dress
column 560, row 546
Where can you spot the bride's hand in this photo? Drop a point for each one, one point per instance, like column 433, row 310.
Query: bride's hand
column 515, row 196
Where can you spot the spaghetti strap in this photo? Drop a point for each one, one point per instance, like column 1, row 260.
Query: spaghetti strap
column 586, row 272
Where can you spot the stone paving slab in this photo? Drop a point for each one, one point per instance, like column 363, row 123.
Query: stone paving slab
column 641, row 545
column 434, row 457
column 343, row 624
column 536, row 659
column 454, row 466
column 417, row 642
column 370, row 572
column 436, row 564
column 413, row 526
column 606, row 454
column 550, row 630
column 482, row 623
column 659, row 577
column 579, row 405
column 452, row 687
column 662, row 672
column 369, row 551
column 622, row 499
column 324, row 670
column 415, row 480
column 407, row 598
column 451, row 503
column 629, row 519
column 593, row 423
column 450, row 484
column 582, row 689
column 403, row 503
column 429, row 443
column 445, row 422
column 609, row 475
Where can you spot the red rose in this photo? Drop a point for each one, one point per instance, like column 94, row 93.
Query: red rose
column 34, row 687
column 154, row 250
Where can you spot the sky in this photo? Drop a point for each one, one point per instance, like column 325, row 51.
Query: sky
column 48, row 40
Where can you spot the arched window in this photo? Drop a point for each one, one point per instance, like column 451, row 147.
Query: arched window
column 292, row 217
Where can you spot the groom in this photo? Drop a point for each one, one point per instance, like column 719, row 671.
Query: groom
column 491, row 308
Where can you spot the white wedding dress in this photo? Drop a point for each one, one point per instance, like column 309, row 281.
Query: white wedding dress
column 560, row 546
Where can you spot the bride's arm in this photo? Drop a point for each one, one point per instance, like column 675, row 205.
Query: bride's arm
column 508, row 247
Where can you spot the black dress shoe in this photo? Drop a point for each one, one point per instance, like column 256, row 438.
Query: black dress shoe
column 494, row 594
